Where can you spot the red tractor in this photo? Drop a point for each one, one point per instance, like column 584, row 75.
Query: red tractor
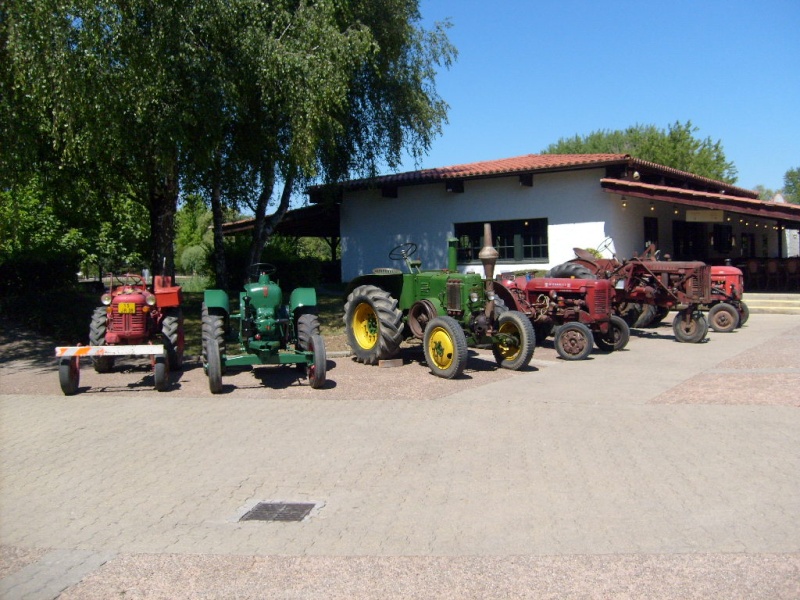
column 578, row 312
column 657, row 285
column 727, row 310
column 133, row 321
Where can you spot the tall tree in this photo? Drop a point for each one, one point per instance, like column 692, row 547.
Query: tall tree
column 675, row 147
column 791, row 186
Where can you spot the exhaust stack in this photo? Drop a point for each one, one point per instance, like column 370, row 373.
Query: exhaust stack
column 488, row 256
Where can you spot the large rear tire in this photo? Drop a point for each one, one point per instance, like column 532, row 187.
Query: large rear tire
column 69, row 375
column 172, row 328
column 445, row 347
column 307, row 326
column 692, row 331
column 516, row 351
column 723, row 318
column 571, row 270
column 97, row 337
column 373, row 323
column 574, row 341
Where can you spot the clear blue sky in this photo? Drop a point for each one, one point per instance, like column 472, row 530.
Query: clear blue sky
column 532, row 72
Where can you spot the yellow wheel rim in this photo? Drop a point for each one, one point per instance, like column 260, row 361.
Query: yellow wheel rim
column 441, row 348
column 365, row 326
column 509, row 351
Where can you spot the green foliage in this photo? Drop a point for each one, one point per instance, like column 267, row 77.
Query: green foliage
column 791, row 186
column 677, row 147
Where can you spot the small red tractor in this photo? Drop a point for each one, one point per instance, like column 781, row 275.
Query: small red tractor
column 578, row 312
column 657, row 285
column 133, row 321
column 727, row 310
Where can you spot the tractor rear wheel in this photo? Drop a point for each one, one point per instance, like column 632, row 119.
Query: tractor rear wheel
column 617, row 337
column 307, row 325
column 445, row 347
column 373, row 323
column 574, row 341
column 723, row 318
column 97, row 337
column 69, row 375
column 646, row 317
column 571, row 270
column 692, row 331
column 213, row 366
column 316, row 371
column 630, row 312
column 519, row 341
column 172, row 328
column 213, row 329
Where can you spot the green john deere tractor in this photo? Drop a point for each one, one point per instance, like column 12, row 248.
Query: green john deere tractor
column 269, row 332
column 449, row 311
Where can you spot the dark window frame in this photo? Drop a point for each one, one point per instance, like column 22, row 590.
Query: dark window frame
column 516, row 240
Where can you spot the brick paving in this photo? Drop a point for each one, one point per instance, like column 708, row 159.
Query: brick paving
column 666, row 470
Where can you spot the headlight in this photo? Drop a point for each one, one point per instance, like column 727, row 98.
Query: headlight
column 105, row 299
column 473, row 297
column 150, row 300
column 490, row 296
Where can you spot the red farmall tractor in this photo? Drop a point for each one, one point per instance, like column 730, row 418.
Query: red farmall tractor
column 656, row 285
column 727, row 310
column 578, row 312
column 133, row 321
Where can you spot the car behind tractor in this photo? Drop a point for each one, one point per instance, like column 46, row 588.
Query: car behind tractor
column 578, row 312
column 268, row 331
column 449, row 311
column 133, row 321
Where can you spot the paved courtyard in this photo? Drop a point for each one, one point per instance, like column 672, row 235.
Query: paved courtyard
column 663, row 471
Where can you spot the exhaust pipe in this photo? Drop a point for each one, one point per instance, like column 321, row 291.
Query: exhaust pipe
column 488, row 256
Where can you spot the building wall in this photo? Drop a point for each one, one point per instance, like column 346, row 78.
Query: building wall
column 579, row 214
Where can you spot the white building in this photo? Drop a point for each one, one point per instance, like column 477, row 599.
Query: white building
column 542, row 206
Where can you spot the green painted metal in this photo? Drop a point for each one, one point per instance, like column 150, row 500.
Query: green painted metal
column 302, row 297
column 217, row 299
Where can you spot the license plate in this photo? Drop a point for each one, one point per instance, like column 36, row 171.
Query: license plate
column 127, row 308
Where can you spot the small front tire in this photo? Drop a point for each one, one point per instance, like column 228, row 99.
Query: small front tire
column 317, row 370
column 161, row 372
column 574, row 341
column 617, row 337
column 213, row 366
column 723, row 318
column 445, row 347
column 69, row 375
column 516, row 351
column 692, row 331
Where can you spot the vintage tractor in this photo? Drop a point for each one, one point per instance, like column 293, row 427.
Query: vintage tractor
column 133, row 321
column 449, row 311
column 578, row 312
column 268, row 331
column 657, row 285
column 727, row 310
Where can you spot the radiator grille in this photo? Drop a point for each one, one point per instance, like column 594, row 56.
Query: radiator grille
column 454, row 287
column 126, row 323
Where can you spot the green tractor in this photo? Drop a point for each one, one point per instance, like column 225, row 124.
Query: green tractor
column 449, row 311
column 269, row 332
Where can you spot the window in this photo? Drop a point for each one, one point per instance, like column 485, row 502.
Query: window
column 521, row 241
column 650, row 231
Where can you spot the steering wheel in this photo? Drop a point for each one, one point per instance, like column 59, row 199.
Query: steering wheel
column 257, row 269
column 403, row 251
column 129, row 279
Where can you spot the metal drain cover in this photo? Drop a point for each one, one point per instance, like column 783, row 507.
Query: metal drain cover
column 278, row 511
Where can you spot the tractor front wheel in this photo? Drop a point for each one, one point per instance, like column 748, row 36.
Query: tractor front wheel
column 317, row 370
column 161, row 372
column 213, row 328
column 518, row 341
column 373, row 323
column 744, row 313
column 213, row 365
column 692, row 330
column 445, row 347
column 97, row 337
column 69, row 375
column 617, row 337
column 723, row 318
column 172, row 328
column 574, row 341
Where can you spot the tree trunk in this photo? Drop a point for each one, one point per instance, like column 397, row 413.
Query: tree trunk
column 263, row 227
column 163, row 206
column 220, row 266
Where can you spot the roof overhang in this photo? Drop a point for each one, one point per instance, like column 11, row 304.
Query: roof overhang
column 320, row 220
column 789, row 213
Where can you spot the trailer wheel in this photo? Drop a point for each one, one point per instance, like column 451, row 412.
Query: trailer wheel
column 213, row 366
column 692, row 332
column 317, row 370
column 516, row 350
column 374, row 324
column 617, row 337
column 574, row 341
column 744, row 313
column 723, row 318
column 172, row 328
column 161, row 372
column 97, row 337
column 69, row 375
column 445, row 347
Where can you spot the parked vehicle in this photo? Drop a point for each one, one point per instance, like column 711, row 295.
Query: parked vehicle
column 449, row 311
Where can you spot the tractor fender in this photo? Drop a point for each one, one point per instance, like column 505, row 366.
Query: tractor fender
column 217, row 299
column 510, row 300
column 302, row 297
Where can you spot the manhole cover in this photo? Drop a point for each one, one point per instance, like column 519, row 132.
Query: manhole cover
column 278, row 511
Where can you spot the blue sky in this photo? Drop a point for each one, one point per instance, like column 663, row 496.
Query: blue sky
column 532, row 72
